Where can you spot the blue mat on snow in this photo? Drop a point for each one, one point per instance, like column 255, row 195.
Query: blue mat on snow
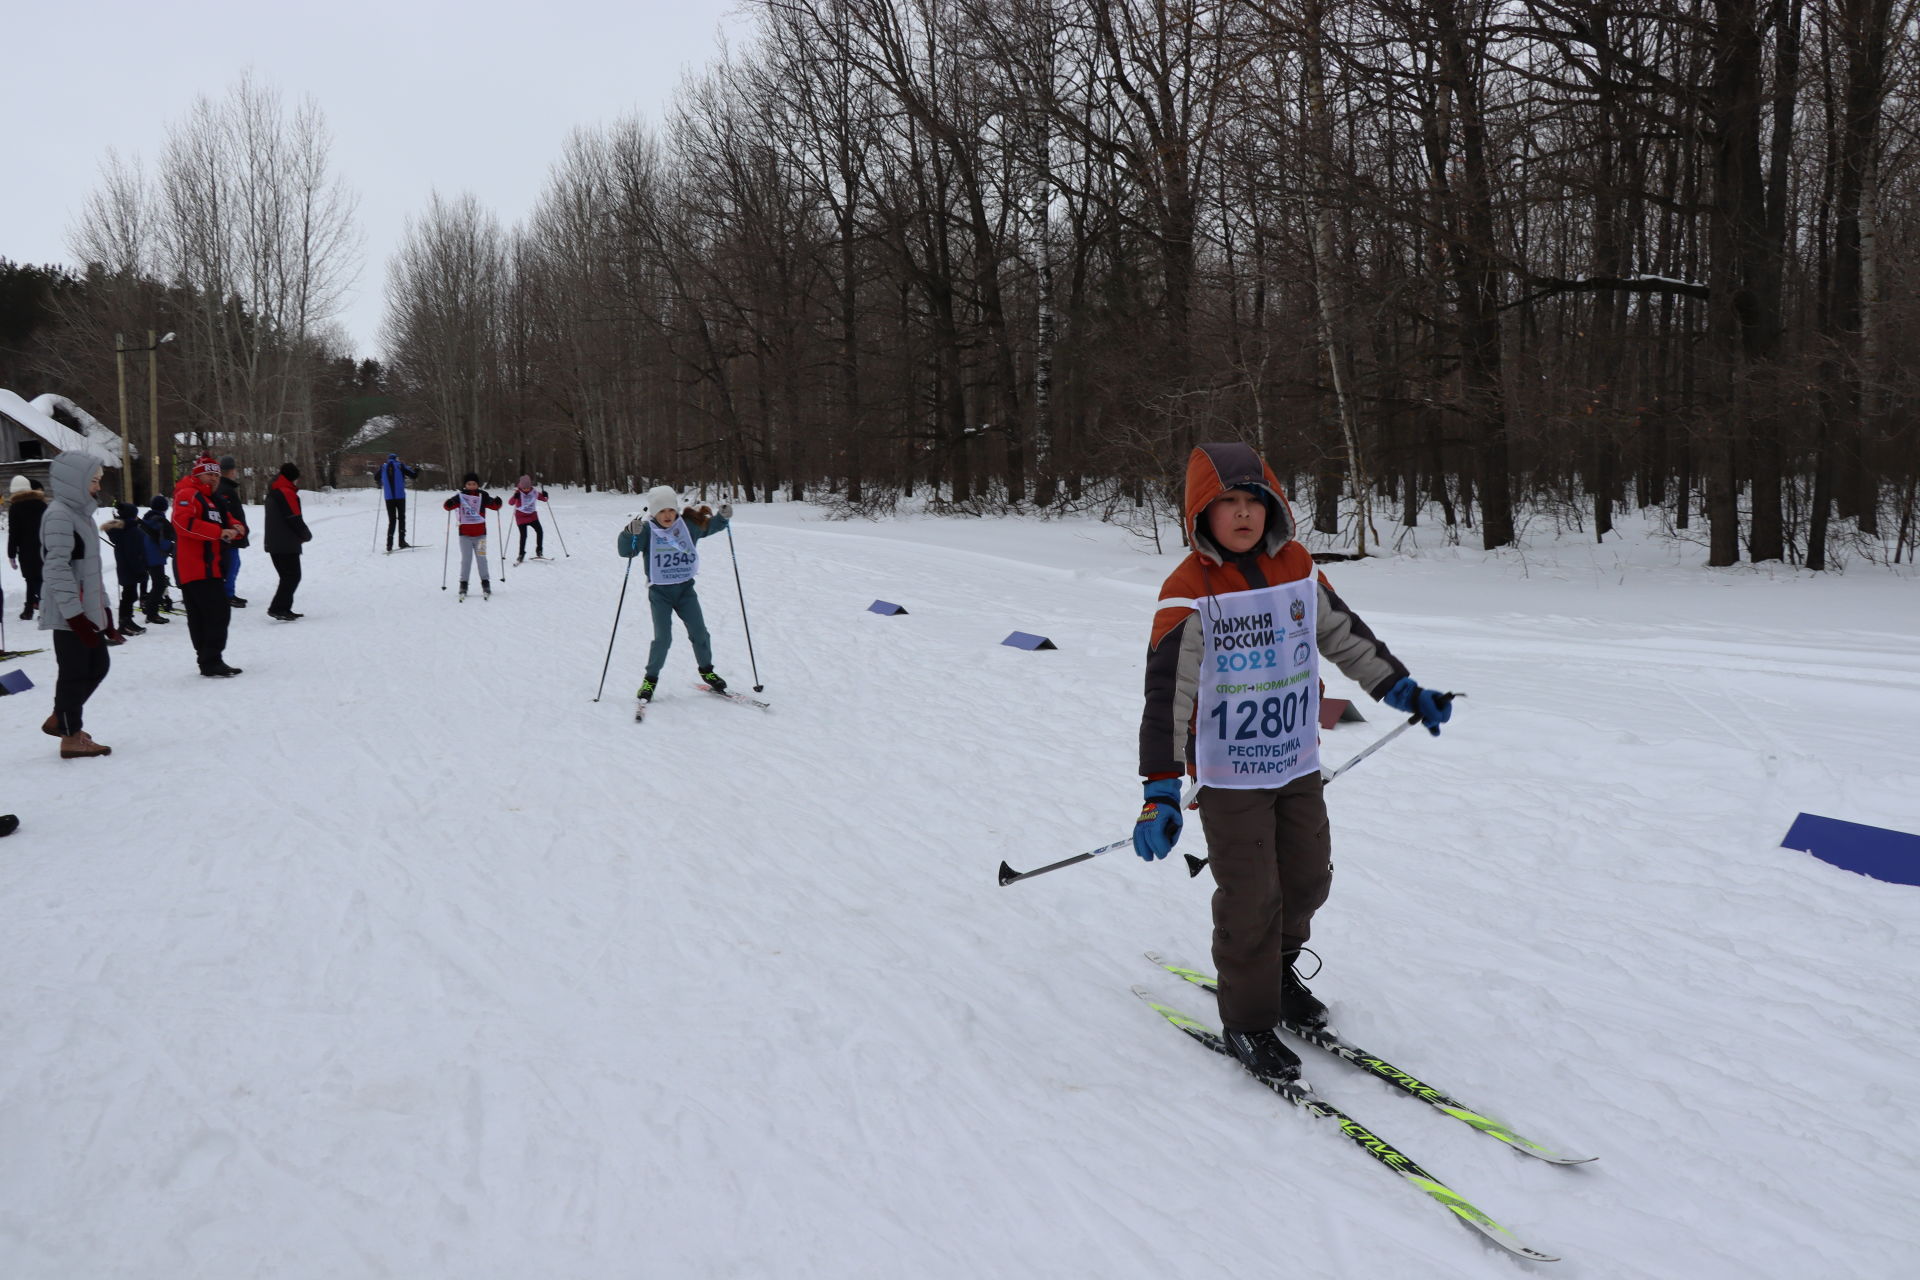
column 1893, row 856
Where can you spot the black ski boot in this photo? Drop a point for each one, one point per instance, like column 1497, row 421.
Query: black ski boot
column 712, row 681
column 1262, row 1053
column 1297, row 1004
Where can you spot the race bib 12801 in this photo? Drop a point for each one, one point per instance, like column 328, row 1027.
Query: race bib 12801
column 1257, row 725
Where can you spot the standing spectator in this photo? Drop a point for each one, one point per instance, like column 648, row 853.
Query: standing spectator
column 228, row 496
column 394, row 475
column 78, row 610
column 201, row 531
column 25, row 506
column 157, row 529
column 129, row 561
column 526, row 500
column 473, row 503
column 285, row 529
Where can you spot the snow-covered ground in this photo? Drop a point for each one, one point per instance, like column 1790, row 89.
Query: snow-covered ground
column 399, row 956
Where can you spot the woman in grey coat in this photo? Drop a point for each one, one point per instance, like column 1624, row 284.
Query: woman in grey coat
column 74, row 602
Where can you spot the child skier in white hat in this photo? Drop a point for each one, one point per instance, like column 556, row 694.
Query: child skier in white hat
column 668, row 536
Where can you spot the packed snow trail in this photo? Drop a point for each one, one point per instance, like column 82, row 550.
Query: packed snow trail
column 399, row 956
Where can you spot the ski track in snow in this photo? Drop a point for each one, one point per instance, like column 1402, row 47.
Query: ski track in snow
column 400, row 957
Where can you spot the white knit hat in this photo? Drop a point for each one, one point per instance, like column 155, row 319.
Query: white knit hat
column 19, row 485
column 661, row 498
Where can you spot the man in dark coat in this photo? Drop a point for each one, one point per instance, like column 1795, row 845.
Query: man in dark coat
column 129, row 561
column 25, row 506
column 227, row 494
column 286, row 531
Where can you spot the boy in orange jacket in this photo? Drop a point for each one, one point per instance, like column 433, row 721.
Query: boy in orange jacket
column 1232, row 692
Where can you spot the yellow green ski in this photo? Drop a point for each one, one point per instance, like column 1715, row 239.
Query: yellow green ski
column 1321, row 1038
column 1301, row 1095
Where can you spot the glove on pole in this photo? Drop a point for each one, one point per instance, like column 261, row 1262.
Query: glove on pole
column 1194, row 865
column 1009, row 876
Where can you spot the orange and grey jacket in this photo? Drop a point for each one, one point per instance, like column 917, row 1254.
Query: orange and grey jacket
column 1174, row 656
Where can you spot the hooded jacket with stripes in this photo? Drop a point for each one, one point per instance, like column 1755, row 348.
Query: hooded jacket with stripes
column 1178, row 644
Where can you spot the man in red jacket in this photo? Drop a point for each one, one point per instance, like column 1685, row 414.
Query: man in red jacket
column 201, row 529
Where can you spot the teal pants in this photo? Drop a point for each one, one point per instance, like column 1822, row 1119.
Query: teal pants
column 665, row 602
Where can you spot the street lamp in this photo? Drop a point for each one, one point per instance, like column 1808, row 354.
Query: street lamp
column 120, row 350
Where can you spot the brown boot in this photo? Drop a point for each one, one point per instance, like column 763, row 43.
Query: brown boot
column 78, row 746
column 52, row 727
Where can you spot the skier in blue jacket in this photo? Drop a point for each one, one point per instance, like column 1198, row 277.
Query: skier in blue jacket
column 393, row 475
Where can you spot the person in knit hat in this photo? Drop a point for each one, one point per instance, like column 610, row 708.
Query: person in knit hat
column 25, row 506
column 202, row 530
column 473, row 503
column 667, row 537
column 525, row 500
column 286, row 533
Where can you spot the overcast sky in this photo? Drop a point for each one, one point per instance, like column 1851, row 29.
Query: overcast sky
column 420, row 95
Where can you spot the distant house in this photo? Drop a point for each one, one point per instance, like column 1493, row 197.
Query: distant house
column 32, row 435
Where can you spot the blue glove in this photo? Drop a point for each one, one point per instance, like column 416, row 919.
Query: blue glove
column 1158, row 828
column 1433, row 709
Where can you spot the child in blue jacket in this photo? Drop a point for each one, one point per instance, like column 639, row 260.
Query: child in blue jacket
column 156, row 527
column 667, row 537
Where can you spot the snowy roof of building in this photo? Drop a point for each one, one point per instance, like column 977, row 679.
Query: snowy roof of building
column 37, row 416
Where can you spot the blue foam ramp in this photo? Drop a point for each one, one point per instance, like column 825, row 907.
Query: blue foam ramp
column 1021, row 640
column 15, row 682
column 886, row 608
column 1884, row 854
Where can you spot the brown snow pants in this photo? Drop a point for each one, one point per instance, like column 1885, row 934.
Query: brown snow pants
column 1271, row 854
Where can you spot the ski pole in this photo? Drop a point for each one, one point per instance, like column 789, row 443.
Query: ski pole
column 446, row 546
column 624, row 578
column 1194, row 865
column 745, row 625
column 378, row 503
column 500, row 538
column 1009, row 876
column 556, row 531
